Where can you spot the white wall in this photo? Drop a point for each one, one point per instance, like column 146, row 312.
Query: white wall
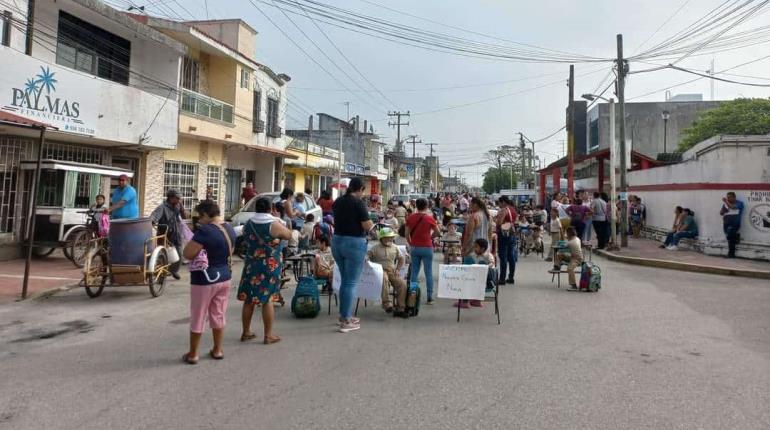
column 741, row 164
column 270, row 88
column 18, row 9
column 263, row 163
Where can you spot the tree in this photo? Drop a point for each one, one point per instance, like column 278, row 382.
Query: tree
column 740, row 116
column 496, row 179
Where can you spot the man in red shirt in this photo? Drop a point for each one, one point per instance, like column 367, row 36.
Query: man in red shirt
column 248, row 192
column 420, row 229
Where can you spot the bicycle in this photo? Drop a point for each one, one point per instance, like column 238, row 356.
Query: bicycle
column 77, row 248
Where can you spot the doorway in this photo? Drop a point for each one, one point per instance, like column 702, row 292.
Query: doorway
column 232, row 192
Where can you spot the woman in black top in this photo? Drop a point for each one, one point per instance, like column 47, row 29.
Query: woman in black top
column 351, row 223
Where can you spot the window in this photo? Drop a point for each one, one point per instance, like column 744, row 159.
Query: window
column 273, row 129
column 257, row 125
column 212, row 180
column 85, row 47
column 6, row 20
column 245, row 78
column 182, row 177
column 191, row 70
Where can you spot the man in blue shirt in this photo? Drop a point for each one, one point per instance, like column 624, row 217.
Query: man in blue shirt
column 124, row 204
column 732, row 212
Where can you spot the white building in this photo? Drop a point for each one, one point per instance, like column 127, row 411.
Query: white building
column 107, row 84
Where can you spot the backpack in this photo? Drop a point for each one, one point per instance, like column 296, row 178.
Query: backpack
column 412, row 305
column 322, row 229
column 590, row 277
column 306, row 302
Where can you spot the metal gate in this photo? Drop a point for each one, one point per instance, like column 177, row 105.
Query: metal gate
column 232, row 192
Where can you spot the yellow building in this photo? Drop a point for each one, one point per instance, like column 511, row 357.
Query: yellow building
column 314, row 168
column 230, row 122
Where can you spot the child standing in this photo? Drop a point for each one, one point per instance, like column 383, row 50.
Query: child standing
column 387, row 255
column 557, row 233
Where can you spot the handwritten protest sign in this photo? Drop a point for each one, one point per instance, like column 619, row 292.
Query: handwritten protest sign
column 370, row 284
column 462, row 281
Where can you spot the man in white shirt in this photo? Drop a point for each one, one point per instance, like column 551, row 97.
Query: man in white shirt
column 599, row 219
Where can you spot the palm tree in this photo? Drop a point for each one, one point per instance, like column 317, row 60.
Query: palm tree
column 45, row 77
column 31, row 86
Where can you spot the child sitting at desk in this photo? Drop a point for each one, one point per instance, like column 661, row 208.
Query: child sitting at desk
column 306, row 232
column 556, row 233
column 480, row 255
column 451, row 241
column 387, row 255
column 574, row 257
column 324, row 263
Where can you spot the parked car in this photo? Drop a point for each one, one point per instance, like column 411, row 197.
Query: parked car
column 400, row 198
column 247, row 211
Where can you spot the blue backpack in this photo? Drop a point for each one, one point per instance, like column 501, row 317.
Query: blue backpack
column 306, row 302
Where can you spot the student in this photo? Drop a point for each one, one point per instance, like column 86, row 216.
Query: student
column 480, row 255
column 575, row 257
column 324, row 263
column 451, row 243
column 557, row 233
column 387, row 255
column 390, row 220
column 306, row 232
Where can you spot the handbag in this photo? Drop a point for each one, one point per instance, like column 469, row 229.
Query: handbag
column 173, row 254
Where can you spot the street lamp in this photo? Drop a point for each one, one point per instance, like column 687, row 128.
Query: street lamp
column 613, row 163
column 665, row 115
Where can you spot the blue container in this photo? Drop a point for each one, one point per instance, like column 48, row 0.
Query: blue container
column 127, row 240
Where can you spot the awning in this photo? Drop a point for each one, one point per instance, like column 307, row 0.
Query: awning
column 12, row 119
column 267, row 149
column 76, row 167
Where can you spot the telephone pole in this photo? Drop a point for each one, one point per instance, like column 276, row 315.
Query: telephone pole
column 432, row 174
column 571, row 134
column 414, row 158
column 398, row 125
column 523, row 157
column 621, row 83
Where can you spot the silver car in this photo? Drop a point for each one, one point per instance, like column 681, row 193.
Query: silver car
column 247, row 211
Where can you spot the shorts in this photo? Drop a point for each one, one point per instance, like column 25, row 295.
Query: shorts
column 208, row 301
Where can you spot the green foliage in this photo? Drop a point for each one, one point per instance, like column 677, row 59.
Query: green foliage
column 498, row 179
column 740, row 116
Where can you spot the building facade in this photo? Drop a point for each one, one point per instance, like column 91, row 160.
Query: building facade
column 231, row 122
column 105, row 85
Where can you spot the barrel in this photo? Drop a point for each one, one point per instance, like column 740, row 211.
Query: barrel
column 127, row 240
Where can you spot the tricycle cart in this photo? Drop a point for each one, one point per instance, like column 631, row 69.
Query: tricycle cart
column 125, row 258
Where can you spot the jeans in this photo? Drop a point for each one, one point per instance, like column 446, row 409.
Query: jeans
column 601, row 233
column 674, row 238
column 580, row 227
column 587, row 227
column 507, row 253
column 423, row 256
column 349, row 253
column 733, row 237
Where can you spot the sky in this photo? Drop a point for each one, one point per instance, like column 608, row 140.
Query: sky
column 528, row 97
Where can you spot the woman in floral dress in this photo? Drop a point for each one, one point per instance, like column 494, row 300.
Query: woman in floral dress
column 261, row 275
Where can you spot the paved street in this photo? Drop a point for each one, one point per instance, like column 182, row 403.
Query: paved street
column 654, row 349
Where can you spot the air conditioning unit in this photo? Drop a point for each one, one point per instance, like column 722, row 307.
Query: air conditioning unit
column 258, row 126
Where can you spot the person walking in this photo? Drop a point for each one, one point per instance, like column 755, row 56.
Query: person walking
column 506, row 239
column 420, row 229
column 351, row 223
column 209, row 287
column 261, row 276
column 168, row 217
column 731, row 212
column 599, row 220
column 124, row 203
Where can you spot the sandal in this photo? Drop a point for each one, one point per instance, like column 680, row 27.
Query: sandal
column 248, row 337
column 271, row 340
column 216, row 357
column 189, row 360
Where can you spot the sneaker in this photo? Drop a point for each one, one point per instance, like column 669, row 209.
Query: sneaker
column 501, row 282
column 176, row 276
column 672, row 247
column 429, row 302
column 477, row 304
column 349, row 326
column 572, row 288
column 354, row 319
column 401, row 314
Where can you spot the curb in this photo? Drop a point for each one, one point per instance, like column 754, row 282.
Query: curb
column 48, row 293
column 686, row 267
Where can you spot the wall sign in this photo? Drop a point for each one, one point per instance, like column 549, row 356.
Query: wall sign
column 758, row 203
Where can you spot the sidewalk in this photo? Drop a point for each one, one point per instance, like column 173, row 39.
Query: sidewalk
column 648, row 253
column 47, row 273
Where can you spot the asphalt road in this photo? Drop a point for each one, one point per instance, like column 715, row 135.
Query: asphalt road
column 655, row 349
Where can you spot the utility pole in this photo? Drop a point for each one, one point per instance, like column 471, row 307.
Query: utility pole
column 309, row 137
column 347, row 117
column 414, row 158
column 571, row 134
column 621, row 83
column 523, row 159
column 434, row 184
column 398, row 125
column 339, row 166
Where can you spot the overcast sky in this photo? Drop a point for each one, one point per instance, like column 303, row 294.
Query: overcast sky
column 582, row 27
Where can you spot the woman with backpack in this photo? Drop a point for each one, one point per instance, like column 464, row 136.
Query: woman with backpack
column 352, row 223
column 210, row 285
column 420, row 228
column 261, row 277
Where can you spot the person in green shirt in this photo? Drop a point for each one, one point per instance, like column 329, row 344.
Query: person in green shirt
column 687, row 229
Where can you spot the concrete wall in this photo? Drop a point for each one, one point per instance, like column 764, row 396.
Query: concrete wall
column 18, row 10
column 263, row 163
column 711, row 169
column 644, row 125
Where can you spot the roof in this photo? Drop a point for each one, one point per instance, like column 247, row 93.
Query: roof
column 12, row 119
column 258, row 148
column 131, row 22
column 604, row 153
column 238, row 20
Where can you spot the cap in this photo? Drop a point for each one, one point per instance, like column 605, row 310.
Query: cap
column 172, row 193
column 122, row 177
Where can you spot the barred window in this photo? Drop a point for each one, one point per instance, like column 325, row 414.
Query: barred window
column 182, row 177
column 212, row 180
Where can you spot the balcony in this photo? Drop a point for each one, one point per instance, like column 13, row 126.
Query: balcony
column 205, row 106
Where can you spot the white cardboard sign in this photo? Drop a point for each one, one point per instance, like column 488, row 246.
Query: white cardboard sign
column 370, row 284
column 467, row 281
column 405, row 268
